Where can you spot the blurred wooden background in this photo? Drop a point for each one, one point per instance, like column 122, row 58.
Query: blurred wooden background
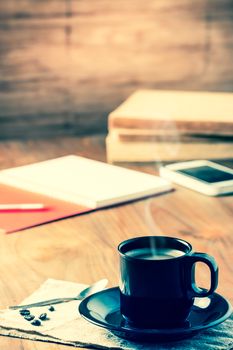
column 65, row 64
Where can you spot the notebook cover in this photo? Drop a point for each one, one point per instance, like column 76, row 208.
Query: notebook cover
column 16, row 220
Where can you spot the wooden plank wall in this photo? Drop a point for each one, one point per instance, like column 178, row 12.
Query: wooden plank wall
column 65, row 64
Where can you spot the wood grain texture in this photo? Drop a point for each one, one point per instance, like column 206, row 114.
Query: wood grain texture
column 64, row 65
column 84, row 248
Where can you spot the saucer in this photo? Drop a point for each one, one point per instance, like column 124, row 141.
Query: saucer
column 103, row 310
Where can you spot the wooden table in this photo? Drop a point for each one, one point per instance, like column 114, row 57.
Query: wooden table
column 84, row 248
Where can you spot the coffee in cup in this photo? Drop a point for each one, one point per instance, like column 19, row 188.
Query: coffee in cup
column 157, row 280
column 154, row 254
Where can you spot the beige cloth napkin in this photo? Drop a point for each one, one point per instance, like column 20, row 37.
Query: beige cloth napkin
column 66, row 326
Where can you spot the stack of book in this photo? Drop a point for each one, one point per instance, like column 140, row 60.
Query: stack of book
column 154, row 125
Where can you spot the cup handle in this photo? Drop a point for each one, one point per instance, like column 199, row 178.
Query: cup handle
column 211, row 263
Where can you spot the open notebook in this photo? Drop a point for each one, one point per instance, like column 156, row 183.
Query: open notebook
column 70, row 185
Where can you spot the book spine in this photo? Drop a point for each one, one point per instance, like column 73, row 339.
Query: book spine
column 194, row 127
column 129, row 135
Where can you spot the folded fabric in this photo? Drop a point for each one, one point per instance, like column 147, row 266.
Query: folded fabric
column 64, row 325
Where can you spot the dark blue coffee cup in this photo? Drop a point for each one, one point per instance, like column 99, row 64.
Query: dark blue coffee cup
column 157, row 280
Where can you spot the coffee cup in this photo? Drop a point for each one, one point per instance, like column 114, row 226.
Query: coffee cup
column 157, row 280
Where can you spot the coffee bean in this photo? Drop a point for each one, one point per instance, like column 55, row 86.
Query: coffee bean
column 43, row 317
column 51, row 308
column 36, row 323
column 24, row 312
column 29, row 317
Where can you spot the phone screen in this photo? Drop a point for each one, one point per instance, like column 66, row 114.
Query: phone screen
column 207, row 174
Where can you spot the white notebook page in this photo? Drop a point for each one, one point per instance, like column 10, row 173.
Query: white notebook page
column 84, row 181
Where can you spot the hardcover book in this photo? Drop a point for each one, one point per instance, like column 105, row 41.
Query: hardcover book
column 184, row 112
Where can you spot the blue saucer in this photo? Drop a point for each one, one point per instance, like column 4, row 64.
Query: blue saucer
column 103, row 310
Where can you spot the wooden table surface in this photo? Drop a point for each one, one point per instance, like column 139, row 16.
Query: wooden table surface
column 84, row 248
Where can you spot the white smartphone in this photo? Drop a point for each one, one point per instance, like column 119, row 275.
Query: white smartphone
column 203, row 176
